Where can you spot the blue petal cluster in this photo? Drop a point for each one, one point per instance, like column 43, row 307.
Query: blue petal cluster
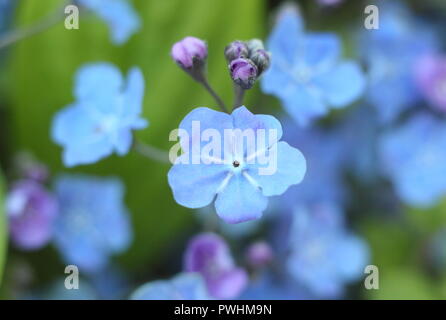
column 93, row 223
column 241, row 192
column 122, row 19
column 413, row 156
column 185, row 286
column 101, row 120
column 324, row 256
column 306, row 72
column 390, row 54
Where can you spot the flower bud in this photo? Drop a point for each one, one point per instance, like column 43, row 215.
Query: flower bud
column 259, row 254
column 236, row 49
column 254, row 45
column 189, row 52
column 261, row 59
column 243, row 72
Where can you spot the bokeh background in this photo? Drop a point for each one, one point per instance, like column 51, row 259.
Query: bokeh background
column 36, row 81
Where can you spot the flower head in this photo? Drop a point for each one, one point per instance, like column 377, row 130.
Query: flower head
column 102, row 118
column 120, row 16
column 324, row 255
column 209, row 255
column 390, row 53
column 259, row 254
column 185, row 286
column 306, row 72
column 239, row 175
column 413, row 157
column 31, row 210
column 93, row 223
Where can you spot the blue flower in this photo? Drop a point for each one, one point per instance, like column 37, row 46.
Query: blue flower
column 120, row 16
column 237, row 181
column 93, row 223
column 413, row 156
column 390, row 54
column 325, row 154
column 306, row 72
column 185, row 286
column 101, row 121
column 324, row 256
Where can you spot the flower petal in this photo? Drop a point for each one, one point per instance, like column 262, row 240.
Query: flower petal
column 304, row 104
column 343, row 84
column 195, row 185
column 240, row 201
column 289, row 169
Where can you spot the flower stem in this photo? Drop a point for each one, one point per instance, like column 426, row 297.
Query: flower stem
column 151, row 152
column 25, row 32
column 216, row 97
column 239, row 94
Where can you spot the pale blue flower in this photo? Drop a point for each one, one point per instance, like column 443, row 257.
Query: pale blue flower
column 413, row 156
column 324, row 255
column 240, row 189
column 185, row 286
column 390, row 54
column 122, row 19
column 101, row 120
column 307, row 73
column 93, row 223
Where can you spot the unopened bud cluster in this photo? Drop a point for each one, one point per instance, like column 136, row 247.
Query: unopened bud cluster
column 247, row 61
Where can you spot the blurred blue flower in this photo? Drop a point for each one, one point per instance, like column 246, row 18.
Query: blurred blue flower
column 93, row 222
column 209, row 255
column 7, row 8
column 101, row 121
column 306, row 72
column 185, row 286
column 236, row 179
column 122, row 19
column 390, row 54
column 431, row 80
column 31, row 211
column 269, row 286
column 324, row 256
column 57, row 291
column 325, row 154
column 413, row 156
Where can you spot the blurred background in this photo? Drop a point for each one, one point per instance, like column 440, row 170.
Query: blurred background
column 405, row 239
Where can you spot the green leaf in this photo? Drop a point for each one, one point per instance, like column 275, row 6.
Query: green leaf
column 41, row 82
column 3, row 229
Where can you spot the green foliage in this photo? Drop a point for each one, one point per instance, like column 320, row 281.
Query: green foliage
column 41, row 81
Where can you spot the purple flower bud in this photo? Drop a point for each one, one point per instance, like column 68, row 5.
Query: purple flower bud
column 236, row 49
column 261, row 59
column 243, row 72
column 31, row 211
column 189, row 51
column 209, row 255
column 259, row 254
column 329, row 2
column 430, row 74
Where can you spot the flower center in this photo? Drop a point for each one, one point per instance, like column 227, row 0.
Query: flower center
column 235, row 164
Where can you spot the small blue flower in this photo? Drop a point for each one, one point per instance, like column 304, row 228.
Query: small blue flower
column 324, row 255
column 325, row 155
column 240, row 188
column 93, row 222
column 390, row 54
column 101, row 121
column 185, row 286
column 306, row 72
column 413, row 156
column 120, row 16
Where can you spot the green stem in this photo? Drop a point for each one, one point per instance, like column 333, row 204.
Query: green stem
column 151, row 152
column 216, row 97
column 239, row 94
